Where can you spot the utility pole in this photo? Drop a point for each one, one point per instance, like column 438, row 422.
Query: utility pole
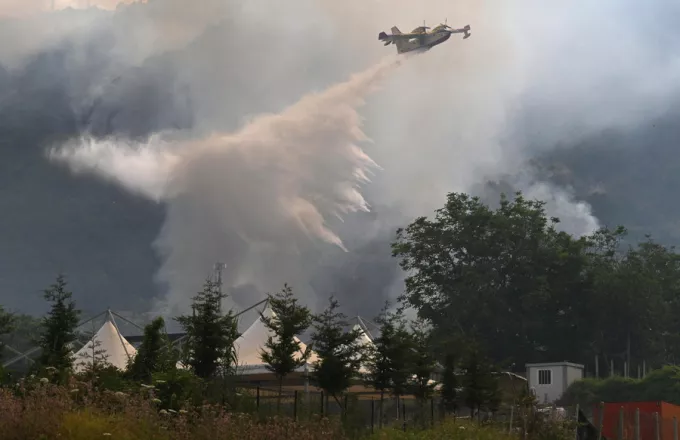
column 219, row 267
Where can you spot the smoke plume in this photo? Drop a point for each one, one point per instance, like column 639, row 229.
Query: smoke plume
column 266, row 189
column 164, row 94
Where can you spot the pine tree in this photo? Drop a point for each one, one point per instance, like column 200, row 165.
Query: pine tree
column 210, row 335
column 6, row 325
column 282, row 354
column 340, row 352
column 154, row 354
column 59, row 330
column 449, row 390
column 479, row 382
column 389, row 359
column 423, row 364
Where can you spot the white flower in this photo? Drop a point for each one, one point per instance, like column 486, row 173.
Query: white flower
column 172, row 411
column 163, row 412
column 156, row 400
column 44, row 380
column 148, row 387
column 183, row 411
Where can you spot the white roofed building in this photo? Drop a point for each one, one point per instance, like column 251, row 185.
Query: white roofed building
column 108, row 346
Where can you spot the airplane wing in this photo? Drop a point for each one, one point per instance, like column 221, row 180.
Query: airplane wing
column 382, row 36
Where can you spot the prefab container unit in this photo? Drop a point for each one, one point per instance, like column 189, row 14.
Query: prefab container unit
column 610, row 423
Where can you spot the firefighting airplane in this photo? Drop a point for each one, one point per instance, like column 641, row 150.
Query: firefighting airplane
column 419, row 39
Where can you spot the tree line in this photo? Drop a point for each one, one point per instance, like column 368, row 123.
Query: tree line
column 400, row 361
column 492, row 287
column 510, row 281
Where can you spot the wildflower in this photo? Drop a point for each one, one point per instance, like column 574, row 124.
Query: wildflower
column 183, row 411
column 156, row 400
column 164, row 412
column 172, row 411
column 148, row 387
column 44, row 380
column 119, row 394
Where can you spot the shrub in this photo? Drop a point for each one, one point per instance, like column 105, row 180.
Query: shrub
column 662, row 384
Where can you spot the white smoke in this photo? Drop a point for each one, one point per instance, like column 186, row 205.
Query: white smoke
column 270, row 186
column 445, row 123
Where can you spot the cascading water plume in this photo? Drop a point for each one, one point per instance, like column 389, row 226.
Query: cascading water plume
column 261, row 190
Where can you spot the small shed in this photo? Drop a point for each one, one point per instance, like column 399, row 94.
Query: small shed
column 550, row 380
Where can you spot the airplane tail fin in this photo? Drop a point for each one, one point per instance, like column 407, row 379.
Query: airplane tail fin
column 395, row 30
column 382, row 36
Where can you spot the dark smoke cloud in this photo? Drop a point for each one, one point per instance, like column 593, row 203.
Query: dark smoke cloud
column 531, row 77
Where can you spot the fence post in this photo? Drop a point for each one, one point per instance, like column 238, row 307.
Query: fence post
column 372, row 415
column 675, row 428
column 257, row 399
column 322, row 402
column 403, row 414
column 578, row 408
column 512, row 414
column 657, row 428
column 344, row 409
column 295, row 405
column 619, row 435
column 637, row 423
column 432, row 412
column 600, row 426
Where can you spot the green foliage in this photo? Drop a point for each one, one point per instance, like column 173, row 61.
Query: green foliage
column 449, row 380
column 155, row 354
column 178, row 389
column 659, row 385
column 423, row 363
column 210, row 335
column 390, row 359
column 59, row 329
column 340, row 352
column 6, row 324
column 450, row 430
column 480, row 384
column 510, row 280
column 282, row 353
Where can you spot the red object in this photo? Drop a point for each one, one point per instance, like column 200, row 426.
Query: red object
column 610, row 425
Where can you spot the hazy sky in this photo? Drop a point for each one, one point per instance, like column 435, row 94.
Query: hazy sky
column 16, row 8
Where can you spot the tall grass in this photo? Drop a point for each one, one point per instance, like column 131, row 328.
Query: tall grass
column 37, row 409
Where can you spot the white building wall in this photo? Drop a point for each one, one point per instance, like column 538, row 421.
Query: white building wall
column 562, row 375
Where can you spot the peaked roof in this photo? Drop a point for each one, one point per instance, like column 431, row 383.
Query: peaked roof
column 364, row 340
column 250, row 344
column 112, row 345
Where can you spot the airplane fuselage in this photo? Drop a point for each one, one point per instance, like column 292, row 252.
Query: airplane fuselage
column 423, row 42
column 419, row 40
